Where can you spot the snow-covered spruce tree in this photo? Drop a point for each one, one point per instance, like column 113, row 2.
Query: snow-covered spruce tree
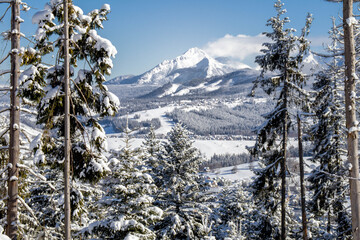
column 42, row 87
column 152, row 150
column 127, row 206
column 281, row 76
column 180, row 193
column 90, row 99
column 328, row 181
column 232, row 214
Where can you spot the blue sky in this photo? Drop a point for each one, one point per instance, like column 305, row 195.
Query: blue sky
column 146, row 32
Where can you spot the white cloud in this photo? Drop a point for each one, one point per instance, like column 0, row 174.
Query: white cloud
column 242, row 49
column 238, row 47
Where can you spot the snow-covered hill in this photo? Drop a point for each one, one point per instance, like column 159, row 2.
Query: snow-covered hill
column 232, row 83
column 193, row 64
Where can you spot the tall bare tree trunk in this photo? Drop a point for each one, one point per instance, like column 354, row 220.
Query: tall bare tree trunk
column 283, row 163
column 302, row 186
column 67, row 125
column 14, row 147
column 351, row 123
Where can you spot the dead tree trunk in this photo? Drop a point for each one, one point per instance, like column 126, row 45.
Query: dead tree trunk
column 67, row 125
column 283, row 163
column 302, row 186
column 351, row 123
column 14, row 146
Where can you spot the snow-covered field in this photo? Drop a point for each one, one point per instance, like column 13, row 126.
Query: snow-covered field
column 241, row 172
column 166, row 123
column 210, row 147
column 207, row 147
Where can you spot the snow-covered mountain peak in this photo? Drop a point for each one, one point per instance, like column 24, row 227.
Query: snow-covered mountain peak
column 310, row 58
column 195, row 53
column 310, row 64
column 195, row 63
column 189, row 59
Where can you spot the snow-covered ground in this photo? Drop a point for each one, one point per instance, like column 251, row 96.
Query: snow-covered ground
column 2, row 236
column 241, row 172
column 207, row 147
column 210, row 147
column 166, row 123
column 245, row 171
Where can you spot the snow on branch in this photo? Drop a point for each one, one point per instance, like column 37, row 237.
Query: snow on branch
column 351, row 21
column 28, row 208
column 300, row 90
column 355, row 76
column 25, row 133
column 273, row 164
column 41, row 177
column 45, row 182
column 353, row 129
column 273, row 115
column 331, row 174
column 3, row 170
column 29, row 111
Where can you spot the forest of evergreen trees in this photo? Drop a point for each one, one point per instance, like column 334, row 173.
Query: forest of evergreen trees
column 222, row 120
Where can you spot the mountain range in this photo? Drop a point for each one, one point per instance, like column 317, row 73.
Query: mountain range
column 195, row 72
column 193, row 64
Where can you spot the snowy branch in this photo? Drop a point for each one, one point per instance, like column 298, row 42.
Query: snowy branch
column 28, row 208
column 3, row 170
column 45, row 182
column 31, row 171
column 274, row 163
column 331, row 174
column 300, row 90
column 25, row 133
column 304, row 114
column 29, row 111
